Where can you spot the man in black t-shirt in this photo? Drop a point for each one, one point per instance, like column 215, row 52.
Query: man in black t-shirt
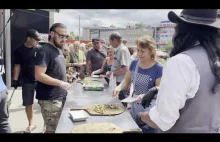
column 50, row 72
column 24, row 56
column 95, row 57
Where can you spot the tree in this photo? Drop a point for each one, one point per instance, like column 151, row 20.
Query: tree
column 77, row 37
column 72, row 36
column 168, row 47
column 139, row 25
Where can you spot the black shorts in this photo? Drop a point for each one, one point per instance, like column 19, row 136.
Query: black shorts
column 28, row 93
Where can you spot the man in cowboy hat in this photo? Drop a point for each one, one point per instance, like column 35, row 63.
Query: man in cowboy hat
column 188, row 100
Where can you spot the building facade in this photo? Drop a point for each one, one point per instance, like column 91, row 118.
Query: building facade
column 164, row 33
column 130, row 34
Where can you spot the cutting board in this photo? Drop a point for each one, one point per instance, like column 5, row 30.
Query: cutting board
column 101, row 128
column 107, row 112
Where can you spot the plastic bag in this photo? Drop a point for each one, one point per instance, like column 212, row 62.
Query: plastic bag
column 112, row 83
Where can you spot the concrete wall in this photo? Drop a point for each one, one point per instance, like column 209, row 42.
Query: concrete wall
column 129, row 34
column 86, row 34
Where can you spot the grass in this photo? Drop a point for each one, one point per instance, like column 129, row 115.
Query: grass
column 163, row 62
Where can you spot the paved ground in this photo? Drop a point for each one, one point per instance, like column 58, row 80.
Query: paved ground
column 18, row 118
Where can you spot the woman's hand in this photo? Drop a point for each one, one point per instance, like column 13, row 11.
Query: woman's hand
column 116, row 91
column 108, row 74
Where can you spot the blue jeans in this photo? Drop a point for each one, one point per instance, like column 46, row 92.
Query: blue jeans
column 148, row 129
column 135, row 109
column 4, row 114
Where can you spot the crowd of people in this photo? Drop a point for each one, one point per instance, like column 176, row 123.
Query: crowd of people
column 167, row 100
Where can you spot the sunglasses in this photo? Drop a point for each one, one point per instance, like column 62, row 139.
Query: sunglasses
column 61, row 35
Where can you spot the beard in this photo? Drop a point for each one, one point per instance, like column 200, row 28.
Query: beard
column 60, row 46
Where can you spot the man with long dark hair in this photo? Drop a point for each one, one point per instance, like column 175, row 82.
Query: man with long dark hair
column 50, row 72
column 188, row 100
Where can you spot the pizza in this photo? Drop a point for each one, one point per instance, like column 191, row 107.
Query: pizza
column 102, row 108
column 97, row 128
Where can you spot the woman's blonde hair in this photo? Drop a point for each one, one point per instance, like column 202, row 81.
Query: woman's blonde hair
column 89, row 44
column 149, row 43
column 110, row 48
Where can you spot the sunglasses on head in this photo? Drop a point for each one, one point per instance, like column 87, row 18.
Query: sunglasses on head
column 61, row 35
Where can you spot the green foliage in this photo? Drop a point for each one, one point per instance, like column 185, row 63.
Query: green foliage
column 140, row 25
column 168, row 47
column 72, row 36
column 77, row 37
column 162, row 61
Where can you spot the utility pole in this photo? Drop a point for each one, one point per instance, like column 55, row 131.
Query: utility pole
column 155, row 35
column 79, row 27
column 7, row 46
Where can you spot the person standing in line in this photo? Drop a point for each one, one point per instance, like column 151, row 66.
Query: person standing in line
column 78, row 57
column 95, row 57
column 50, row 72
column 106, row 65
column 88, row 46
column 121, row 61
column 124, row 41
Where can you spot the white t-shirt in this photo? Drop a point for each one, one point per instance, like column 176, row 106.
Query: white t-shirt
column 180, row 81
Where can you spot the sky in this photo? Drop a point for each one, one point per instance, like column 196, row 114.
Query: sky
column 107, row 17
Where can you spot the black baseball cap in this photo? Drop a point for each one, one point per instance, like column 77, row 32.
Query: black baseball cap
column 33, row 34
column 95, row 40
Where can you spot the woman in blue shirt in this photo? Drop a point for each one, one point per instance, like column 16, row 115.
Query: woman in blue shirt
column 144, row 73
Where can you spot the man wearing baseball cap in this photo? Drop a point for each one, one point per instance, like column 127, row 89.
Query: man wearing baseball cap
column 24, row 56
